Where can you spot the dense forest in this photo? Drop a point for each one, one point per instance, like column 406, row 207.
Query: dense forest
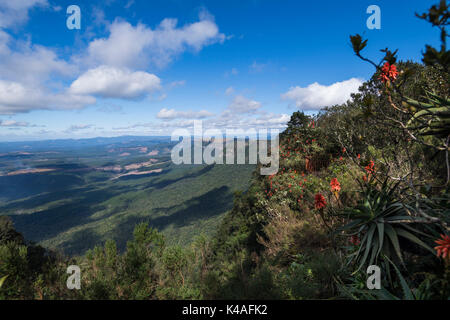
column 359, row 184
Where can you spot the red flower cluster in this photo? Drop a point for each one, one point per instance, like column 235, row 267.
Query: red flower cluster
column 319, row 201
column 443, row 247
column 388, row 72
column 276, row 184
column 335, row 185
column 370, row 168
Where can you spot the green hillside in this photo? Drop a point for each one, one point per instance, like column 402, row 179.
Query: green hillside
column 75, row 207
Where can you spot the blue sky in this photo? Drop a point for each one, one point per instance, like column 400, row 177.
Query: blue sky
column 149, row 67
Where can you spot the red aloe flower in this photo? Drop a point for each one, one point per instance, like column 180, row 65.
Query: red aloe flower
column 444, row 247
column 319, row 201
column 388, row 72
column 370, row 168
column 335, row 185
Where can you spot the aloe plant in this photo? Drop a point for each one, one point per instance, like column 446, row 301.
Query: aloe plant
column 381, row 219
column 431, row 117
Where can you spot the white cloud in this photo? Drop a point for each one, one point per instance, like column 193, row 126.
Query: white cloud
column 316, row 96
column 110, row 82
column 171, row 114
column 226, row 120
column 241, row 104
column 15, row 12
column 29, row 63
column 244, row 113
column 33, row 77
column 16, row 97
column 270, row 120
column 29, row 73
column 140, row 45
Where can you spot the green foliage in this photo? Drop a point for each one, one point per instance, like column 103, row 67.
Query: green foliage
column 7, row 231
column 358, row 43
column 311, row 277
column 438, row 16
column 298, row 122
column 379, row 221
column 432, row 117
column 429, row 289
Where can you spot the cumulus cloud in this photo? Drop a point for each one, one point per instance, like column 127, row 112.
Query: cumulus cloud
column 241, row 104
column 29, row 73
column 316, row 96
column 170, row 114
column 29, row 63
column 238, row 113
column 15, row 12
column 16, row 97
column 140, row 45
column 270, row 120
column 33, row 77
column 111, row 82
